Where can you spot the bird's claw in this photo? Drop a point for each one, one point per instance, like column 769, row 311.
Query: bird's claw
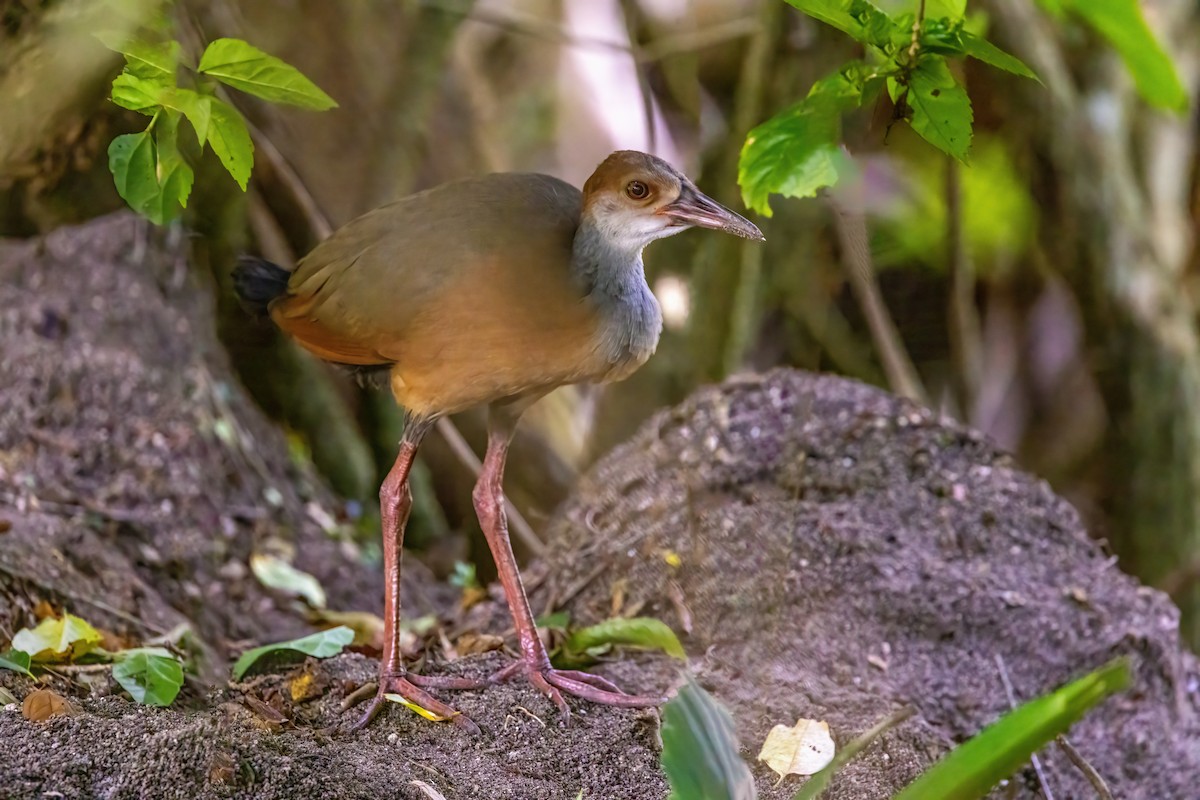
column 553, row 682
column 406, row 686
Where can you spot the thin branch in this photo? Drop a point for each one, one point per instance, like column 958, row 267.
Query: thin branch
column 915, row 47
column 1012, row 703
column 467, row 456
column 751, row 92
column 851, row 227
column 1084, row 766
column 965, row 339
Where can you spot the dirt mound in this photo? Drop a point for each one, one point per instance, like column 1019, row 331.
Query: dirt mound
column 844, row 552
column 135, row 473
column 833, row 551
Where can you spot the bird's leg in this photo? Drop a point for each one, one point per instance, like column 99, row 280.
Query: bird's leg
column 395, row 502
column 534, row 663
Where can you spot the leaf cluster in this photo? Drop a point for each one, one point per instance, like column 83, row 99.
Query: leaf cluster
column 151, row 675
column 152, row 170
column 798, row 151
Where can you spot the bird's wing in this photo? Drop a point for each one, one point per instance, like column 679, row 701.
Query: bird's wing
column 355, row 298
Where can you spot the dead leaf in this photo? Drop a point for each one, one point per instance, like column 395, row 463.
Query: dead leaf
column 222, row 769
column 264, row 714
column 618, row 597
column 42, row 704
column 367, row 627
column 276, row 573
column 6, row 697
column 43, row 609
column 803, row 749
column 306, row 683
column 471, row 643
column 472, row 595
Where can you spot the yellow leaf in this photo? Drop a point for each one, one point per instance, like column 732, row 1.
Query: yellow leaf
column 803, row 749
column 672, row 558
column 424, row 712
column 53, row 639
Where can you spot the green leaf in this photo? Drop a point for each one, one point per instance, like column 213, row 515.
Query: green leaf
column 15, row 660
column 637, row 631
column 559, row 620
column 275, row 573
column 1122, row 24
column 245, row 67
column 149, row 60
column 322, row 644
column 464, row 576
column 133, row 163
column 941, row 110
column 860, row 19
column 53, row 639
column 231, row 141
column 977, row 765
column 938, row 9
column 796, row 153
column 174, row 175
column 193, row 105
column 136, row 94
column 988, row 53
column 700, row 750
column 151, row 675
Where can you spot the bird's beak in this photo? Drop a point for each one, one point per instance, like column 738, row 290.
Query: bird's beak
column 693, row 207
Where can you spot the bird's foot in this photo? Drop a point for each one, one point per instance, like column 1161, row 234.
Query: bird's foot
column 553, row 682
column 406, row 686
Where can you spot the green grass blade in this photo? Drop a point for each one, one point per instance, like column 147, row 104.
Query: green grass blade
column 973, row 768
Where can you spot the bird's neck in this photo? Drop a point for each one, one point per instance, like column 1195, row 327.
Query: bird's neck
column 604, row 265
column 610, row 273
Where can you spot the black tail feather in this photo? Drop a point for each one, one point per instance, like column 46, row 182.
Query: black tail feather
column 258, row 282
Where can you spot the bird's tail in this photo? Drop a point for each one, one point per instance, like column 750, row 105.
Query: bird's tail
column 258, row 282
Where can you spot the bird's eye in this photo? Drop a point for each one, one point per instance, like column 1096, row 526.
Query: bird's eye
column 637, row 190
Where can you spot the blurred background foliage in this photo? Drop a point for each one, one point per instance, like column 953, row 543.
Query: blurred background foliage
column 1045, row 292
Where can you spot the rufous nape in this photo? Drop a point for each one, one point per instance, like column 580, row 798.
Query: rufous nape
column 488, row 291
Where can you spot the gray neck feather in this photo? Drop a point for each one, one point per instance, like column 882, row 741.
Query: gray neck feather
column 612, row 276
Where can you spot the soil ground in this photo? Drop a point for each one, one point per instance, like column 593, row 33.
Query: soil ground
column 824, row 549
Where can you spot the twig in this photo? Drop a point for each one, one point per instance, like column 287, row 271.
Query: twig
column 358, row 695
column 915, row 47
column 1089, row 772
column 965, row 344
column 467, row 456
column 1012, row 703
column 851, row 228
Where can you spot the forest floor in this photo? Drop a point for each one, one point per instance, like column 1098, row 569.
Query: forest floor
column 823, row 549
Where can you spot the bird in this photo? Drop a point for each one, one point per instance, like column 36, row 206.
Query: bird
column 487, row 291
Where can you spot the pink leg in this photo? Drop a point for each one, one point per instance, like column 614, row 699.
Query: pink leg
column 534, row 664
column 395, row 502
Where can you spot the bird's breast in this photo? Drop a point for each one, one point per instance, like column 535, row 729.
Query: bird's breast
column 628, row 332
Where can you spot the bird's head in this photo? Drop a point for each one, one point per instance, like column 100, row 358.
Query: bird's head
column 634, row 198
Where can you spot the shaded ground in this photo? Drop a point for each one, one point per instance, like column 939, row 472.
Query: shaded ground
column 840, row 553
